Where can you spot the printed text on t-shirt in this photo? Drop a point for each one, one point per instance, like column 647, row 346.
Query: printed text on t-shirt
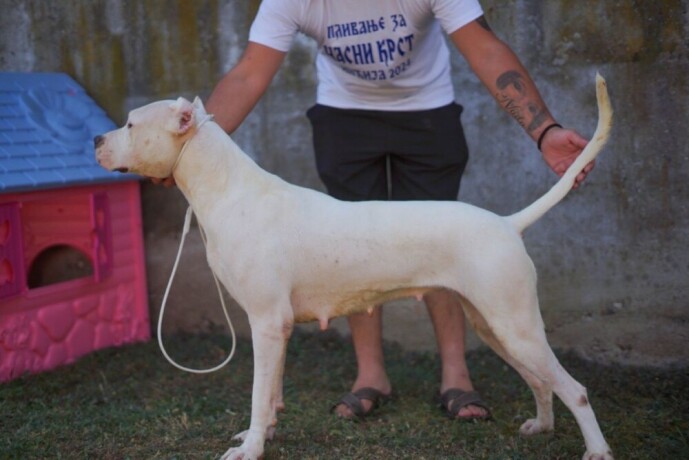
column 383, row 51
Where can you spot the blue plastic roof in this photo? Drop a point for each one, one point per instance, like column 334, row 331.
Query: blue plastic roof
column 47, row 126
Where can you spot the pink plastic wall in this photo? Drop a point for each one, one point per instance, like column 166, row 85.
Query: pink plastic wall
column 48, row 326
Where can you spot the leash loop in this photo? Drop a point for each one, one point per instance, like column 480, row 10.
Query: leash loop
column 185, row 231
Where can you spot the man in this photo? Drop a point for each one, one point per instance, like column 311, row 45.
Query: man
column 385, row 126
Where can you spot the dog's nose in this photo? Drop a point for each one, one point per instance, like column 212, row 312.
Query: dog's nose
column 98, row 141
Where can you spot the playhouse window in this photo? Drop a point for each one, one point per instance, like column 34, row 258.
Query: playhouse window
column 11, row 266
column 56, row 237
column 58, row 264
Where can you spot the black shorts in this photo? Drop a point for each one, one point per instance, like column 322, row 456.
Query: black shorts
column 383, row 155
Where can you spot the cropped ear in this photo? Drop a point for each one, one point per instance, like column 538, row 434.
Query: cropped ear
column 200, row 109
column 182, row 116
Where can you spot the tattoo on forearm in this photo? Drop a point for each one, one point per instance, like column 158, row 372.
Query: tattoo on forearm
column 513, row 96
column 511, row 92
column 539, row 116
column 483, row 23
column 514, row 79
column 512, row 108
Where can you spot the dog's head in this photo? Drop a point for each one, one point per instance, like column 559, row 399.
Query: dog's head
column 152, row 138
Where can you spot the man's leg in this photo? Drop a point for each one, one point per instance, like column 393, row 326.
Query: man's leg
column 367, row 337
column 351, row 161
column 428, row 165
column 447, row 317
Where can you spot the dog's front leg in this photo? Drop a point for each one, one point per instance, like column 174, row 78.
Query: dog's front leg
column 270, row 343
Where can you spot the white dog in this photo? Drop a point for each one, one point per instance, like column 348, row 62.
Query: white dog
column 289, row 254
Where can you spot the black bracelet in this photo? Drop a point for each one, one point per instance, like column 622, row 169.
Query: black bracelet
column 547, row 128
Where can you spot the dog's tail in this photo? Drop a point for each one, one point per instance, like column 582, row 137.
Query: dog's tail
column 527, row 216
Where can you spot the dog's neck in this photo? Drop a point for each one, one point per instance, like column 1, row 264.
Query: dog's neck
column 186, row 143
column 214, row 170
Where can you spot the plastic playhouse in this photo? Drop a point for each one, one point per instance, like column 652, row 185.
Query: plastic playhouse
column 72, row 272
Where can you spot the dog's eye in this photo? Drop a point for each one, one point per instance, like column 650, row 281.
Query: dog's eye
column 129, row 125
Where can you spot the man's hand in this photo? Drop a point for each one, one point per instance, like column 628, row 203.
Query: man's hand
column 560, row 148
column 167, row 182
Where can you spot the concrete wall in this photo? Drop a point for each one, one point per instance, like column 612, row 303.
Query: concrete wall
column 613, row 258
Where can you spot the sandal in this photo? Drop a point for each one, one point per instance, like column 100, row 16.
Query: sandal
column 353, row 401
column 454, row 400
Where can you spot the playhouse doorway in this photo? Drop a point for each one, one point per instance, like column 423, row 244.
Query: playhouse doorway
column 59, row 264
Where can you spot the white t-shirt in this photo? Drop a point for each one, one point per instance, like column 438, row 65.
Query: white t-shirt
column 372, row 54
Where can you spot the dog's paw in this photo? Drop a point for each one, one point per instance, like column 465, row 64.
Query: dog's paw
column 236, row 453
column 534, row 426
column 243, row 452
column 240, row 436
column 607, row 455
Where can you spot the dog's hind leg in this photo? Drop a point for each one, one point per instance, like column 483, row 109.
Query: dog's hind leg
column 524, row 341
column 542, row 391
column 573, row 394
column 269, row 334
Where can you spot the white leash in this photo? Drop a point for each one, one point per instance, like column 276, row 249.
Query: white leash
column 185, row 231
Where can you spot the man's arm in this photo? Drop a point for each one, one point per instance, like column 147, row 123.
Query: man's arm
column 238, row 91
column 501, row 72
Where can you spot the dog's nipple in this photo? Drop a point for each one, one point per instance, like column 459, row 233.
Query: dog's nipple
column 324, row 321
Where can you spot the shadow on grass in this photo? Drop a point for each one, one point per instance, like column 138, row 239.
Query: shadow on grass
column 130, row 403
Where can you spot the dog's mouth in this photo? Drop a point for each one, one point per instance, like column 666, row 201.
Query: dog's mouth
column 121, row 170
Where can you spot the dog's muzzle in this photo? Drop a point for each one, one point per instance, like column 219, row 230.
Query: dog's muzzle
column 98, row 142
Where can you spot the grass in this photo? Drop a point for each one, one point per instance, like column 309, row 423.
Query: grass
column 129, row 403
